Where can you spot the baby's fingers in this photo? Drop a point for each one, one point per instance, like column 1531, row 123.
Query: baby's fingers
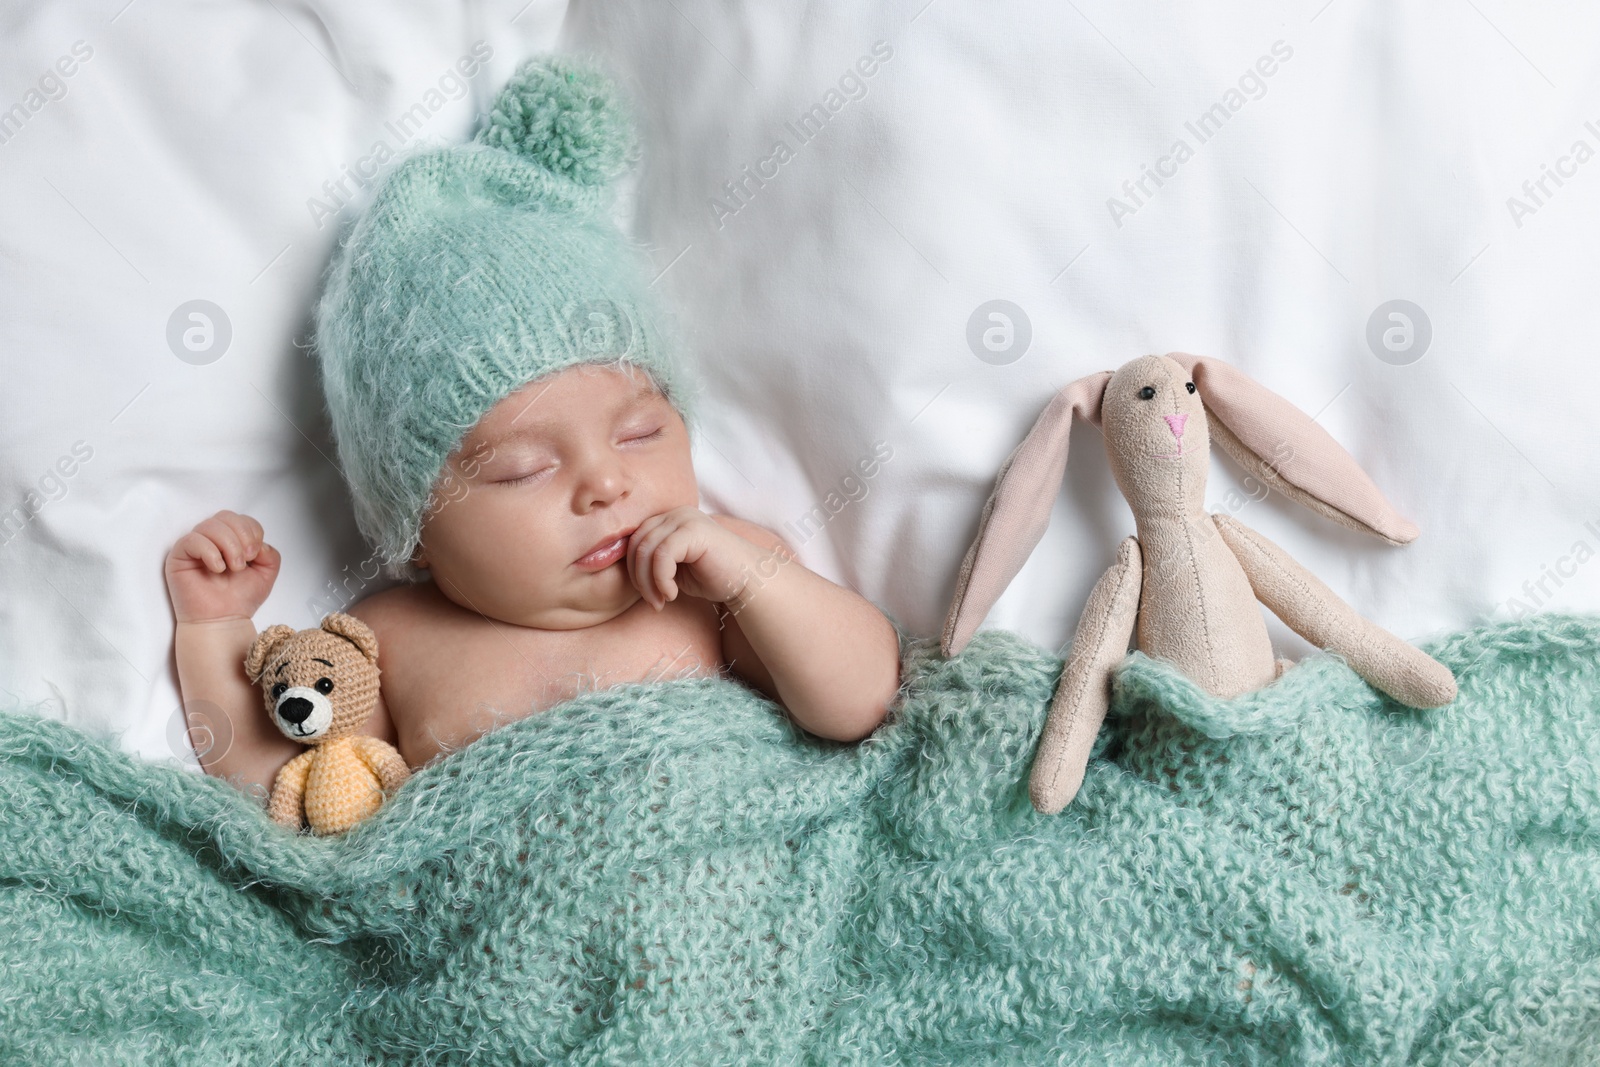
column 247, row 529
column 228, row 541
column 665, row 560
column 266, row 558
column 653, row 575
column 641, row 550
column 198, row 546
column 663, row 568
column 254, row 537
column 653, row 565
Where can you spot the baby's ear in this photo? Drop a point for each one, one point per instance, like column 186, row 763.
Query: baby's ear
column 353, row 630
column 266, row 646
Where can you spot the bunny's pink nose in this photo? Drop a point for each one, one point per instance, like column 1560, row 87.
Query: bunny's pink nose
column 1176, row 422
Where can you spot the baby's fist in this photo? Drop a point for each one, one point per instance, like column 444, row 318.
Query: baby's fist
column 221, row 569
column 686, row 549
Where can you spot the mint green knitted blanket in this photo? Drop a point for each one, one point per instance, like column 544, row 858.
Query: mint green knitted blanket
column 673, row 873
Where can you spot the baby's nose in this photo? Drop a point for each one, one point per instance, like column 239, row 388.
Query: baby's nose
column 1176, row 423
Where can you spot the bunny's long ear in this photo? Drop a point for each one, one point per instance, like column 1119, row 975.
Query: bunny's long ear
column 1018, row 509
column 1280, row 444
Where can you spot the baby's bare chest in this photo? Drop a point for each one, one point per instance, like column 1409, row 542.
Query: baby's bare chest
column 447, row 682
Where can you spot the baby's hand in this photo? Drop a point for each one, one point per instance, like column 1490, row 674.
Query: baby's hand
column 221, row 569
column 717, row 563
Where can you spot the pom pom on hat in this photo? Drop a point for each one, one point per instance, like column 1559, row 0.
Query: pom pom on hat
column 566, row 117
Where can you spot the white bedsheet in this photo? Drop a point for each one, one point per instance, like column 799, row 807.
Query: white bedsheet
column 832, row 191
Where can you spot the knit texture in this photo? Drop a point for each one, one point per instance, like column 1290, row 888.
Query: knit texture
column 476, row 269
column 673, row 873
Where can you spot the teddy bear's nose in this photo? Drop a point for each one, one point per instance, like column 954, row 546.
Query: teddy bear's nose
column 295, row 710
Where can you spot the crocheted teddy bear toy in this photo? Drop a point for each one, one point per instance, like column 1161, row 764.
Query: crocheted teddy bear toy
column 320, row 687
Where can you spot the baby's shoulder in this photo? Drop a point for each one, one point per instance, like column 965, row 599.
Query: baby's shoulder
column 415, row 621
column 391, row 612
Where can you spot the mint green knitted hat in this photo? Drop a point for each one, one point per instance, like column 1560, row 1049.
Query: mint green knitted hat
column 476, row 269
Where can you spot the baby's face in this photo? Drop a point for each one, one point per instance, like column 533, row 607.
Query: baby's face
column 560, row 466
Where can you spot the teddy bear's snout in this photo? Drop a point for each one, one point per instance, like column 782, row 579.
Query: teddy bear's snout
column 296, row 710
column 303, row 713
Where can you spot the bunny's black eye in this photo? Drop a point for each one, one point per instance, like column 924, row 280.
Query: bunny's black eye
column 1147, row 393
column 278, row 690
column 324, row 686
column 1189, row 386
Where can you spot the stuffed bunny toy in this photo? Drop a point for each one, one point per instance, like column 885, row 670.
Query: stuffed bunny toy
column 320, row 687
column 1188, row 579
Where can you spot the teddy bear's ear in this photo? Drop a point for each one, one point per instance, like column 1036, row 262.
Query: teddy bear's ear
column 266, row 645
column 354, row 630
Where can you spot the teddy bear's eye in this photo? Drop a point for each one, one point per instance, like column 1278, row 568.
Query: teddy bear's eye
column 1147, row 393
column 324, row 686
column 278, row 690
column 1189, row 386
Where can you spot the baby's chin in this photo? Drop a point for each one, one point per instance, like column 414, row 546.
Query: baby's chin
column 589, row 601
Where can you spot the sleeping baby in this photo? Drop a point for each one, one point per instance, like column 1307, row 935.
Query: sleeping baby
column 514, row 425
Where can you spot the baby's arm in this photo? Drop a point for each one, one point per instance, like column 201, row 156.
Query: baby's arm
column 833, row 659
column 825, row 653
column 218, row 575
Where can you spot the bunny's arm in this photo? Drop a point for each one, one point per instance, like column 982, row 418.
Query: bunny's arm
column 287, row 805
column 1084, row 691
column 385, row 761
column 1315, row 612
